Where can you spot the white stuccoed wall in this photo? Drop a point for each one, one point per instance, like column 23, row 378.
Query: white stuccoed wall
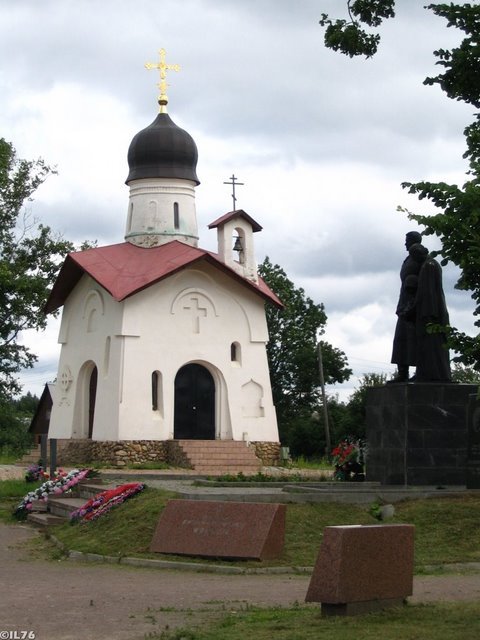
column 153, row 331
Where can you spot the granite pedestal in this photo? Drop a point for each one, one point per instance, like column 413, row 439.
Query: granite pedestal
column 417, row 433
column 473, row 446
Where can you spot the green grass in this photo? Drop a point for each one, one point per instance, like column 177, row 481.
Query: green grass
column 7, row 457
column 459, row 621
column 261, row 478
column 305, row 524
column 446, row 529
column 129, row 530
column 321, row 464
column 140, row 465
column 16, row 488
column 126, row 531
column 11, row 492
column 149, row 465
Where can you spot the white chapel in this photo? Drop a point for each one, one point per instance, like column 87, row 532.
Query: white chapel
column 163, row 341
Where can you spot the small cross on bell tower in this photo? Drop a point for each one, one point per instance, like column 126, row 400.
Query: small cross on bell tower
column 233, row 181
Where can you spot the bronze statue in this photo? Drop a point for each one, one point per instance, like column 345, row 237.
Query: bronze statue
column 433, row 362
column 421, row 303
column 404, row 353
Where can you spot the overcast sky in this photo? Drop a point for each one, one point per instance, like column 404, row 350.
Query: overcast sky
column 322, row 142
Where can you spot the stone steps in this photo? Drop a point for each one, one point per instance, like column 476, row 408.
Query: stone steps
column 63, row 507
column 58, row 507
column 44, row 519
column 88, row 490
column 218, row 457
column 32, row 457
column 40, row 506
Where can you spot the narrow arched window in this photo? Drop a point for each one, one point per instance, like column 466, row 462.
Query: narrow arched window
column 155, row 391
column 235, row 353
column 106, row 356
column 176, row 216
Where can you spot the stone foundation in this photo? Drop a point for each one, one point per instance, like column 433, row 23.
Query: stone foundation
column 127, row 452
column 114, row 453
column 176, row 456
column 267, row 452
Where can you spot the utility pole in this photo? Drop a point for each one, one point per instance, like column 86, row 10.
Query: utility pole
column 328, row 443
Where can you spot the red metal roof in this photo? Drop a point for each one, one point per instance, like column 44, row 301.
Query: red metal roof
column 124, row 269
column 238, row 213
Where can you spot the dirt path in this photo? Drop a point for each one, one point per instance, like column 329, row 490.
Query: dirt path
column 11, row 472
column 71, row 601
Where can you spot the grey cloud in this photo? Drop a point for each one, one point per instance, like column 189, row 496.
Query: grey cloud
column 256, row 76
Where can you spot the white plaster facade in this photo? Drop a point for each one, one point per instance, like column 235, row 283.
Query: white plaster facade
column 193, row 316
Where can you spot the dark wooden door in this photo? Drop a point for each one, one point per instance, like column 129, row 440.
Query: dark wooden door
column 194, row 404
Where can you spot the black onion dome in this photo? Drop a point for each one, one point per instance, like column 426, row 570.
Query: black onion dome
column 163, row 150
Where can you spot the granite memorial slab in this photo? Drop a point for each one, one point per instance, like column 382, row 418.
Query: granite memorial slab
column 363, row 568
column 215, row 529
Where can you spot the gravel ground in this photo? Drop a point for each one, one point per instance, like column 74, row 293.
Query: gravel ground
column 11, row 472
column 62, row 600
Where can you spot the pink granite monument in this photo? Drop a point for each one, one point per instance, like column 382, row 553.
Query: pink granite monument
column 244, row 530
column 363, row 568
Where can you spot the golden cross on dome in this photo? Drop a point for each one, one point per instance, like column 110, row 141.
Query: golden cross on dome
column 163, row 67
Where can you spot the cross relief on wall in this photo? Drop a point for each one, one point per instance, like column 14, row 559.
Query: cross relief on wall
column 197, row 312
column 196, row 307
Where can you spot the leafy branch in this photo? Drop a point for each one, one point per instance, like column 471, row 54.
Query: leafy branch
column 348, row 36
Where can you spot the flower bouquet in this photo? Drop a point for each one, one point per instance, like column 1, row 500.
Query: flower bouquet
column 34, row 472
column 348, row 458
column 104, row 501
column 59, row 483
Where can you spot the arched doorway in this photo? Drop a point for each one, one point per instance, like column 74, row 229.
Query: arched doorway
column 86, row 395
column 92, row 395
column 194, row 404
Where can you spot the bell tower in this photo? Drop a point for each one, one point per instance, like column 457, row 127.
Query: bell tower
column 162, row 159
column 235, row 242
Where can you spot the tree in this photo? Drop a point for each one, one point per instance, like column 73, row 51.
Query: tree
column 465, row 375
column 355, row 423
column 15, row 418
column 292, row 351
column 26, row 405
column 348, row 36
column 30, row 255
column 456, row 220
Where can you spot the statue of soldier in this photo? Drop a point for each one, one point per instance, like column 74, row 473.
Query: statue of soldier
column 433, row 361
column 404, row 353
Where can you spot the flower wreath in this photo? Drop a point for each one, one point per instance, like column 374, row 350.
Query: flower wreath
column 60, row 483
column 101, row 503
